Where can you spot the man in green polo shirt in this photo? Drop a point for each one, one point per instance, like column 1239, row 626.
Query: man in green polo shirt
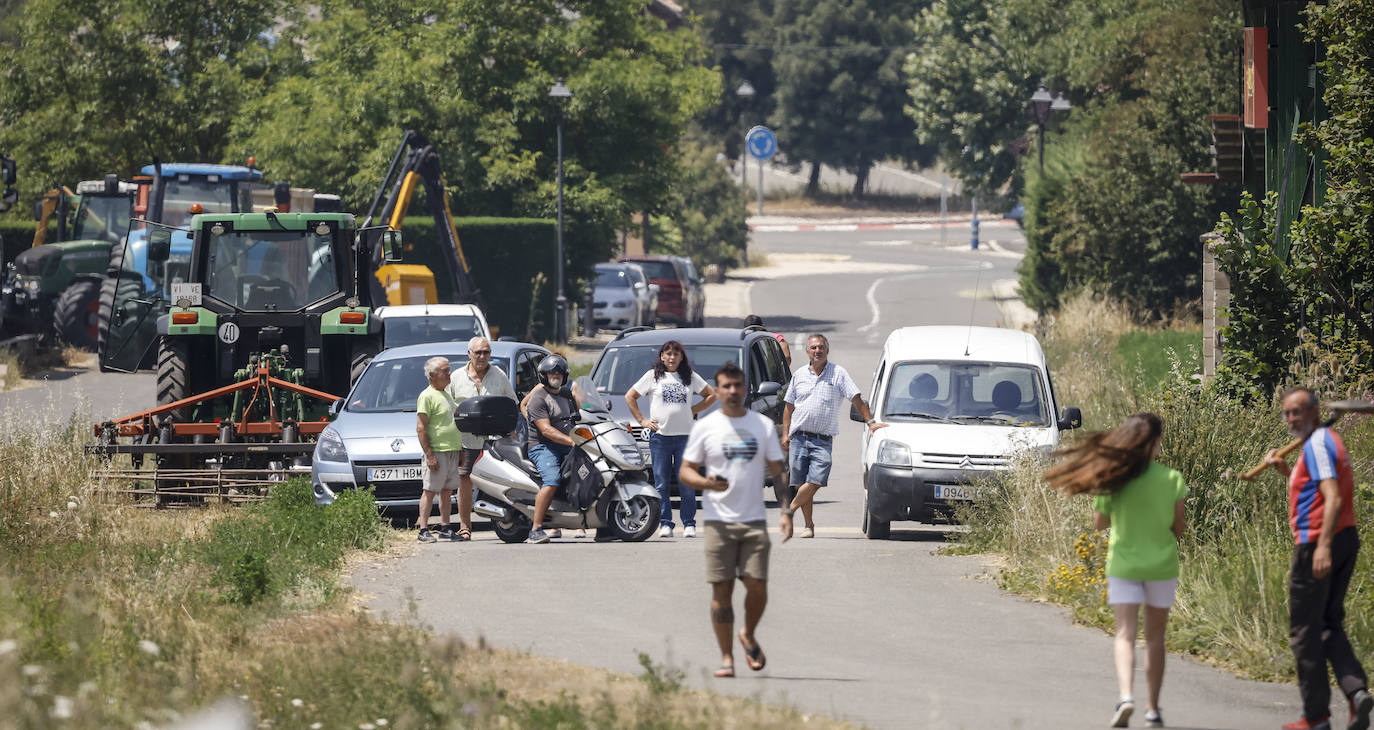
column 442, row 444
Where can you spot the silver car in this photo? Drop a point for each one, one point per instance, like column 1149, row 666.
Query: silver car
column 623, row 297
column 372, row 440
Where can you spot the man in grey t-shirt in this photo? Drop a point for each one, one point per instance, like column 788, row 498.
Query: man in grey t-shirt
column 552, row 414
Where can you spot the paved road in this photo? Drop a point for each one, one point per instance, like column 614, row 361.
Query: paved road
column 886, row 634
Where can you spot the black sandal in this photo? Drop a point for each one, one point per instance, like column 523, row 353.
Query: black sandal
column 464, row 535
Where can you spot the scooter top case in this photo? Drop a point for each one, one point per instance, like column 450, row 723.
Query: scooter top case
column 487, row 415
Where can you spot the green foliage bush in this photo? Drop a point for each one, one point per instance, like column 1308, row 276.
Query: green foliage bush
column 1232, row 600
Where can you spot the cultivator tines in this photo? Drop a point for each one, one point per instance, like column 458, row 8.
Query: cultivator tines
column 264, row 439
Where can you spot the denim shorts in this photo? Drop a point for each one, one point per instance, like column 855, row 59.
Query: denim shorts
column 809, row 456
column 548, row 459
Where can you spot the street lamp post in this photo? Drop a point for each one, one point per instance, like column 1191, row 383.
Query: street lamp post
column 560, row 94
column 1042, row 106
column 745, row 92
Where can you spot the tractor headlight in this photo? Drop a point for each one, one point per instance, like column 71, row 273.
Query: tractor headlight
column 32, row 287
column 331, row 447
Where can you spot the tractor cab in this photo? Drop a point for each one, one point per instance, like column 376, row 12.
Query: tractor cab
column 245, row 284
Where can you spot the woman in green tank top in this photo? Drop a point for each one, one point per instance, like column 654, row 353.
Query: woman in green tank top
column 1142, row 502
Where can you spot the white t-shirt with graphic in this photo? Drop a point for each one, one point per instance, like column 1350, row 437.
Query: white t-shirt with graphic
column 670, row 401
column 737, row 449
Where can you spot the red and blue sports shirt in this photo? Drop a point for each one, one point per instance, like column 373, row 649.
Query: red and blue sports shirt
column 1323, row 457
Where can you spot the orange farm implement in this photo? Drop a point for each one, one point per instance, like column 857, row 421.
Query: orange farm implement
column 265, row 435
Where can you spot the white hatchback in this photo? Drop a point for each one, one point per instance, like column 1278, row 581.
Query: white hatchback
column 414, row 324
column 960, row 402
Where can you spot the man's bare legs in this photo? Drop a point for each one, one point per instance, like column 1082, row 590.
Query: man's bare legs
column 755, row 600
column 465, row 502
column 1155, row 621
column 542, row 500
column 723, row 615
column 723, row 620
column 1127, row 623
column 427, row 501
column 804, row 500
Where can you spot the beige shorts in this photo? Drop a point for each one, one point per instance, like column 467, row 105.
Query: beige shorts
column 445, row 477
column 736, row 550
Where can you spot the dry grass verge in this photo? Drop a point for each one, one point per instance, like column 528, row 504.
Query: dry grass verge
column 113, row 615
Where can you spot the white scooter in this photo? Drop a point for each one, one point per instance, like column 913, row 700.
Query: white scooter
column 627, row 506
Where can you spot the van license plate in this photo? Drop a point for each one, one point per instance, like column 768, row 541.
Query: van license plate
column 955, row 491
column 394, row 473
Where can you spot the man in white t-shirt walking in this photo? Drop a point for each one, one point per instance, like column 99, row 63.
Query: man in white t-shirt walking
column 734, row 444
column 811, row 421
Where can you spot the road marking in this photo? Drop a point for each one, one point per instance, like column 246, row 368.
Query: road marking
column 872, row 295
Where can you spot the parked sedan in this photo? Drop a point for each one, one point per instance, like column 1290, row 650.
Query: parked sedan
column 623, row 298
column 372, row 440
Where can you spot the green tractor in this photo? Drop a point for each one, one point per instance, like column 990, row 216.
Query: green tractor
column 243, row 291
column 53, row 289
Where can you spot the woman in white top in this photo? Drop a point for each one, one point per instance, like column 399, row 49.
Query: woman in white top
column 670, row 386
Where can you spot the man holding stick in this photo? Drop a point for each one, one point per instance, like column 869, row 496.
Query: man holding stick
column 1321, row 489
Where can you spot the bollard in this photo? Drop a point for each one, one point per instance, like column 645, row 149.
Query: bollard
column 974, row 225
column 589, row 315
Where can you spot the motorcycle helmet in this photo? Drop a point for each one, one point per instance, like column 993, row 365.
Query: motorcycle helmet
column 552, row 364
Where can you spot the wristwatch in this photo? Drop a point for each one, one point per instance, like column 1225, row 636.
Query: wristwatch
column 872, row 421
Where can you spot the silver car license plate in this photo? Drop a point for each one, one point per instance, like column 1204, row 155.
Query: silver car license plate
column 394, row 473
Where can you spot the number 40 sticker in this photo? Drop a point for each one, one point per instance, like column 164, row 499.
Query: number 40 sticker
column 229, row 333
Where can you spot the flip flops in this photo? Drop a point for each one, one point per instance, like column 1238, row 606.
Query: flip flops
column 753, row 657
column 725, row 672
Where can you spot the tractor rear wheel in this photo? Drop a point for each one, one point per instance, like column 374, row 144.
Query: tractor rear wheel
column 76, row 319
column 173, row 377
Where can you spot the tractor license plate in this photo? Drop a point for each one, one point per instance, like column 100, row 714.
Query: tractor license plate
column 956, row 492
column 394, row 473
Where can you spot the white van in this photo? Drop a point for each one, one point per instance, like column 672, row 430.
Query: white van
column 959, row 402
column 414, row 324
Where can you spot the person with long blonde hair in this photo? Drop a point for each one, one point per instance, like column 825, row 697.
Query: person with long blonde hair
column 1141, row 501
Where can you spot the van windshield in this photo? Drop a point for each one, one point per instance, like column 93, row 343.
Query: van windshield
column 965, row 392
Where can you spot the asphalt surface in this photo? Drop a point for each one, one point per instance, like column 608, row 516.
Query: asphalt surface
column 885, row 634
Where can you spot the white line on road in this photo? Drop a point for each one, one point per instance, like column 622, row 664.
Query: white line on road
column 872, row 295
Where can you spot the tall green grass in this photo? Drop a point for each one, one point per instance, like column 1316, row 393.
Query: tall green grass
column 113, row 615
column 1232, row 598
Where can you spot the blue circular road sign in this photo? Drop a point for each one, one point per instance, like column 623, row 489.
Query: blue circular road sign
column 762, row 143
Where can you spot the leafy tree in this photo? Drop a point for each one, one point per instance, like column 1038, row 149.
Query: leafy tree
column 479, row 89
column 968, row 82
column 707, row 210
column 736, row 35
column 840, row 85
column 98, row 86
